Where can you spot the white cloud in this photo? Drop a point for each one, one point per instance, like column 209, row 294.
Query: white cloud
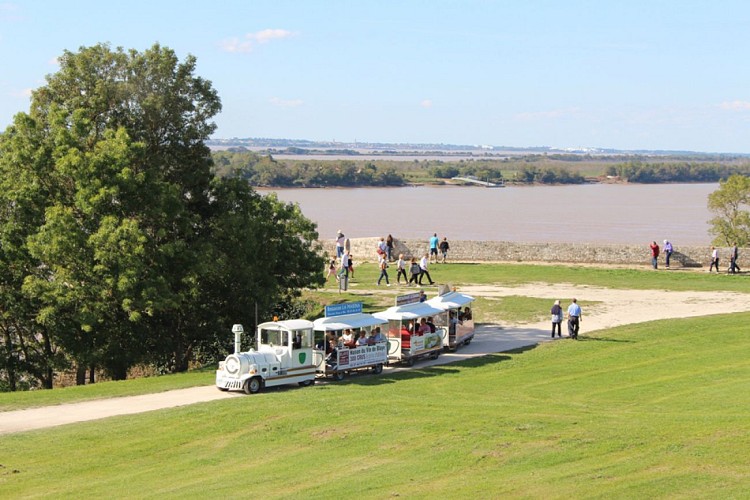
column 427, row 103
column 248, row 42
column 286, row 103
column 735, row 105
column 55, row 61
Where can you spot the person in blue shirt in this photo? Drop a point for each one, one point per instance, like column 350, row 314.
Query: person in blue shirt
column 574, row 319
column 668, row 250
column 434, row 247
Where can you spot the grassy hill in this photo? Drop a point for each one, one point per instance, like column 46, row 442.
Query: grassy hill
column 653, row 410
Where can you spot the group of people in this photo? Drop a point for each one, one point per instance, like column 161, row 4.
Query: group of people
column 668, row 251
column 415, row 273
column 575, row 316
column 435, row 245
column 734, row 254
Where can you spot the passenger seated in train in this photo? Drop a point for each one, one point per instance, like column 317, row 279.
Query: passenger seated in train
column 362, row 339
column 347, row 338
column 467, row 314
column 431, row 325
column 405, row 338
column 375, row 336
column 331, row 354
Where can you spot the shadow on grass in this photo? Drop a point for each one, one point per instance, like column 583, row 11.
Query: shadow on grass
column 603, row 339
column 404, row 373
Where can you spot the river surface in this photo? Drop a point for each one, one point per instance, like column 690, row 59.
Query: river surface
column 590, row 213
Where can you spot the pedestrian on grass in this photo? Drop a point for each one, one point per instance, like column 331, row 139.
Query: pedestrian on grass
column 557, row 317
column 389, row 247
column 401, row 269
column 574, row 319
column 733, row 256
column 339, row 244
column 714, row 259
column 383, row 264
column 434, row 247
column 414, row 271
column 423, row 271
column 668, row 250
column 654, row 254
column 444, row 247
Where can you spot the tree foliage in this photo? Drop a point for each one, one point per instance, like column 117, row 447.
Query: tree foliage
column 118, row 244
column 651, row 173
column 730, row 203
column 264, row 170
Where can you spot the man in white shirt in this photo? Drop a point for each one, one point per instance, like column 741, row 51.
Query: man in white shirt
column 423, row 269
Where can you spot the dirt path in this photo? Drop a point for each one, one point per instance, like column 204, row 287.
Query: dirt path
column 614, row 308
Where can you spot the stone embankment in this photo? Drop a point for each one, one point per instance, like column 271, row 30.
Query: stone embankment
column 364, row 250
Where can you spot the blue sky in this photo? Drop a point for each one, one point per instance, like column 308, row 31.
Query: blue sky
column 627, row 75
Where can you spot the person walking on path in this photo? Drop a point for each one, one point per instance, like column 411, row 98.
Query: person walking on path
column 557, row 317
column 654, row 254
column 714, row 259
column 401, row 269
column 423, row 269
column 384, row 270
column 444, row 247
column 668, row 249
column 733, row 267
column 414, row 270
column 344, row 270
column 434, row 247
column 574, row 319
column 331, row 270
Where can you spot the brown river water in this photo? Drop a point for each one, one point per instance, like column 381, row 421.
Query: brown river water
column 590, row 213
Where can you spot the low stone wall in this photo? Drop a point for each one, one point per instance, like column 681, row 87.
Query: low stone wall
column 364, row 250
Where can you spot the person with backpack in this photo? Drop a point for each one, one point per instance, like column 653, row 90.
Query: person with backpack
column 557, row 317
column 414, row 271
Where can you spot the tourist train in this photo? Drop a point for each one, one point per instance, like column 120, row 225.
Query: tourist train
column 300, row 351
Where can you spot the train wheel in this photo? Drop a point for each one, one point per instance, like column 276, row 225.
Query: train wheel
column 410, row 361
column 252, row 386
column 377, row 369
column 339, row 376
column 307, row 383
column 435, row 355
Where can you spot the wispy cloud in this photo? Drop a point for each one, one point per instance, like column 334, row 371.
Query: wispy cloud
column 247, row 43
column 735, row 105
column 427, row 103
column 286, row 103
column 553, row 114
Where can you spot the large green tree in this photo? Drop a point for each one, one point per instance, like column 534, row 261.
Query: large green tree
column 118, row 244
column 730, row 203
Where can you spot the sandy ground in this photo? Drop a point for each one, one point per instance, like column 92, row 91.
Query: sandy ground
column 614, row 308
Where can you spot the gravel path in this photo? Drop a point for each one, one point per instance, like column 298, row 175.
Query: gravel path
column 616, row 307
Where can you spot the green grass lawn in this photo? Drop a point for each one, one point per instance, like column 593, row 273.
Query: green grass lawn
column 653, row 410
column 508, row 274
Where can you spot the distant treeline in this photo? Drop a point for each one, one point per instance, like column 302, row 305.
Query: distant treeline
column 637, row 171
column 263, row 170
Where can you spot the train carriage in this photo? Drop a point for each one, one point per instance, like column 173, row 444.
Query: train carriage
column 337, row 359
column 406, row 343
column 456, row 318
